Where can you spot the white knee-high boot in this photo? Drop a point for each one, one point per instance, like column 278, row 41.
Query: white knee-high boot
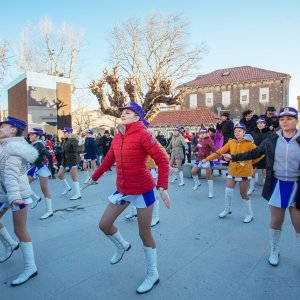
column 36, row 199
column 155, row 213
column 152, row 277
column 196, row 182
column 121, row 246
column 181, row 183
column 9, row 244
column 275, row 235
column 132, row 212
column 30, row 269
column 249, row 214
column 252, row 186
column 210, row 188
column 174, row 177
column 87, row 176
column 77, row 191
column 49, row 211
column 228, row 203
column 67, row 187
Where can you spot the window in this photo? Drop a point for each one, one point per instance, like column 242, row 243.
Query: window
column 244, row 97
column 209, row 99
column 193, row 100
column 226, row 98
column 264, row 95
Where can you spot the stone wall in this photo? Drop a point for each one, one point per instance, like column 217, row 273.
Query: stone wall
column 278, row 96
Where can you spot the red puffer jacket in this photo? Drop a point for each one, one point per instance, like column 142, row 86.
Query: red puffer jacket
column 130, row 151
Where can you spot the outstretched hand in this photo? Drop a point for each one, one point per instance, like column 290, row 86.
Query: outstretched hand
column 227, row 157
column 166, row 198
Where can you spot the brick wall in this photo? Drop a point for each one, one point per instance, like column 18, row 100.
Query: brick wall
column 17, row 104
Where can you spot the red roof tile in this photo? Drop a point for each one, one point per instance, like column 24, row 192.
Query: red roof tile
column 184, row 117
column 233, row 75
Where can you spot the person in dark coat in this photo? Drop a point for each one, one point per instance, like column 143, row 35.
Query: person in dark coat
column 226, row 127
column 161, row 139
column 57, row 148
column 106, row 141
column 272, row 120
column 248, row 121
column 98, row 141
column 259, row 134
column 70, row 161
column 282, row 184
column 90, row 154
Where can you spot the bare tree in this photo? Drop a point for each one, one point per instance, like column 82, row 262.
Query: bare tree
column 4, row 58
column 81, row 120
column 49, row 49
column 152, row 55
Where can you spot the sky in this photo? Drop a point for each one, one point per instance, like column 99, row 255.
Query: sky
column 258, row 33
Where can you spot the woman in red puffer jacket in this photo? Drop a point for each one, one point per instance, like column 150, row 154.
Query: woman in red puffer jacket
column 129, row 149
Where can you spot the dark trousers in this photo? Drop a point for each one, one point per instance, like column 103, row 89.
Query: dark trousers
column 189, row 152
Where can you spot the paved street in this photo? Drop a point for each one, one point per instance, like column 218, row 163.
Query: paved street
column 200, row 256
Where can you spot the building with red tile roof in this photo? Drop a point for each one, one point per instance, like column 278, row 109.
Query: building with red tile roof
column 237, row 89
column 192, row 119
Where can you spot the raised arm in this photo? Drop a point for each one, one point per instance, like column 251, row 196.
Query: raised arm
column 218, row 153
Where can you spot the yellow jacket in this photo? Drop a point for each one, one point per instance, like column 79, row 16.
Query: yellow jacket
column 150, row 162
column 237, row 169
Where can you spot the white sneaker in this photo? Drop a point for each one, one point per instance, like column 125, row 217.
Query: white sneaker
column 87, row 180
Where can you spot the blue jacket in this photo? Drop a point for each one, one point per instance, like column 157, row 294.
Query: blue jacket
column 90, row 148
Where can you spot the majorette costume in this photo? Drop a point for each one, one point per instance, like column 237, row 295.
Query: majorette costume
column 129, row 149
column 15, row 153
column 238, row 171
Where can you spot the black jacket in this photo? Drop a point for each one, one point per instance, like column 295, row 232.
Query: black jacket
column 260, row 135
column 90, row 148
column 267, row 147
column 42, row 150
column 106, row 143
column 271, row 121
column 250, row 125
column 70, row 151
column 226, row 128
column 162, row 140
